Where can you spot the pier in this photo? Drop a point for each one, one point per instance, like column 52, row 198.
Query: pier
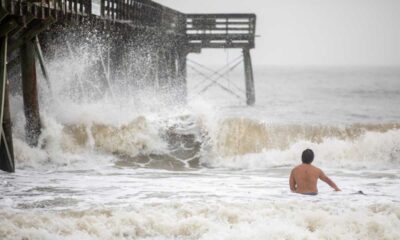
column 27, row 27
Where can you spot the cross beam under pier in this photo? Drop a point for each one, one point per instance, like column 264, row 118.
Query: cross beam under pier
column 225, row 31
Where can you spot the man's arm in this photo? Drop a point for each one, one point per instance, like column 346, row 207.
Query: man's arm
column 326, row 179
column 292, row 182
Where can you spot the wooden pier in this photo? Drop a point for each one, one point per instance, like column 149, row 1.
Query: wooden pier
column 170, row 34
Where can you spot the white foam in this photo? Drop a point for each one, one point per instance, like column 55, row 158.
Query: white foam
column 220, row 220
column 251, row 203
column 370, row 151
column 235, row 143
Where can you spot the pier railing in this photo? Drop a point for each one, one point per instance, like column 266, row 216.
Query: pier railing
column 135, row 12
column 143, row 13
column 221, row 30
column 42, row 9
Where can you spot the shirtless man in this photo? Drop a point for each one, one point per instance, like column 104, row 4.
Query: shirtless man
column 304, row 178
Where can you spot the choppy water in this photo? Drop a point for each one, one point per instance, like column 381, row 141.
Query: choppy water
column 125, row 168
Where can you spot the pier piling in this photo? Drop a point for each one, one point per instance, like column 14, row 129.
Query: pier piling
column 172, row 69
column 30, row 94
column 249, row 78
column 6, row 145
column 182, row 75
column 153, row 65
column 163, row 71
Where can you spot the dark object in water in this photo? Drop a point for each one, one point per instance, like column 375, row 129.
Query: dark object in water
column 359, row 192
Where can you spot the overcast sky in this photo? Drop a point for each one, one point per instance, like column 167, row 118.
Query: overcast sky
column 314, row 32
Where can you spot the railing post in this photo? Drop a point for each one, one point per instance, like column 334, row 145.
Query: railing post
column 30, row 94
column 88, row 7
column 4, row 4
column 102, row 4
column 249, row 77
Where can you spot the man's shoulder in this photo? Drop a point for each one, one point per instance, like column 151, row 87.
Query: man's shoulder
column 317, row 170
column 296, row 168
column 307, row 166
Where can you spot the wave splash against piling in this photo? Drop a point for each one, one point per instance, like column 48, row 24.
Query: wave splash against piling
column 89, row 120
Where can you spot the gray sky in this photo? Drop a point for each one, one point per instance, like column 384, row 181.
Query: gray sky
column 313, row 32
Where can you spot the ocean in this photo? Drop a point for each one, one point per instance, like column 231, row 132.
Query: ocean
column 132, row 164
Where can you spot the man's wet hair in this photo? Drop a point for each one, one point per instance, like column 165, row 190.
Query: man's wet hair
column 307, row 156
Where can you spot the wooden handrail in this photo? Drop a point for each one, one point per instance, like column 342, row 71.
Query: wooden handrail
column 143, row 13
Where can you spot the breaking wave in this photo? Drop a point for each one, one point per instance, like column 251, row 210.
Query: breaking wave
column 207, row 221
column 90, row 121
column 188, row 141
column 244, row 143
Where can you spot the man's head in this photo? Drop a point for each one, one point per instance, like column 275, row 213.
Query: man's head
column 307, row 156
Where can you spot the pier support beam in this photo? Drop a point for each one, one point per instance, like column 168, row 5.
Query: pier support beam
column 248, row 72
column 171, row 70
column 40, row 57
column 30, row 94
column 182, row 76
column 6, row 145
column 162, row 71
column 117, row 58
column 153, row 65
column 172, row 64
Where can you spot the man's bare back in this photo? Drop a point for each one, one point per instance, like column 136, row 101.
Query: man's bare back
column 304, row 178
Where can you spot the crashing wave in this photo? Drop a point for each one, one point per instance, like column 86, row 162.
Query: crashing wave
column 186, row 142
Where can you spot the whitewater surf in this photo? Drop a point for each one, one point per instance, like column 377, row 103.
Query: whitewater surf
column 128, row 164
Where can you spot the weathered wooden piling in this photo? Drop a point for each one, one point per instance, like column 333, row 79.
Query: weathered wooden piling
column 6, row 145
column 249, row 78
column 171, row 58
column 153, row 76
column 182, row 75
column 163, row 76
column 117, row 54
column 30, row 93
column 3, row 72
